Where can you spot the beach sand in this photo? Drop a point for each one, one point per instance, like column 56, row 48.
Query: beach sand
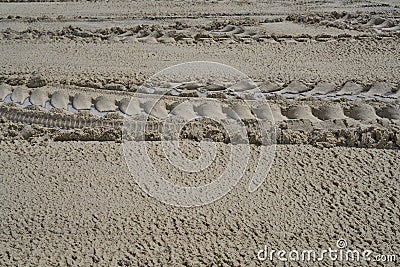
column 72, row 73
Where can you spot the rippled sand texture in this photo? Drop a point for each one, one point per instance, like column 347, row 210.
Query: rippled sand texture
column 94, row 212
column 324, row 74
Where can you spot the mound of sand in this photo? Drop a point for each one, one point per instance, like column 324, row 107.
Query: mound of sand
column 375, row 21
column 19, row 95
column 243, row 86
column 211, row 110
column 322, row 88
column 228, row 28
column 157, row 110
column 269, row 87
column 81, row 102
column 214, row 87
column 130, row 106
column 190, row 85
column 350, row 88
column 378, row 89
column 363, row 112
column 329, row 112
column 59, row 100
column 300, row 112
column 277, row 113
column 184, row 110
column 105, row 104
column 263, row 112
column 239, row 111
column 5, row 90
column 39, row 97
column 391, row 112
column 295, row 87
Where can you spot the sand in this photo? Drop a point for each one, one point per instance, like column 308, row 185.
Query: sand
column 312, row 105
column 81, row 102
column 59, row 100
column 94, row 213
column 38, row 97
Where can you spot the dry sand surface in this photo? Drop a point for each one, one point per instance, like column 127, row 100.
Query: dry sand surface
column 94, row 213
column 316, row 84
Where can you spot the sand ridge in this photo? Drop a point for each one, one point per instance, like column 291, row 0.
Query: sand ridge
column 107, row 98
